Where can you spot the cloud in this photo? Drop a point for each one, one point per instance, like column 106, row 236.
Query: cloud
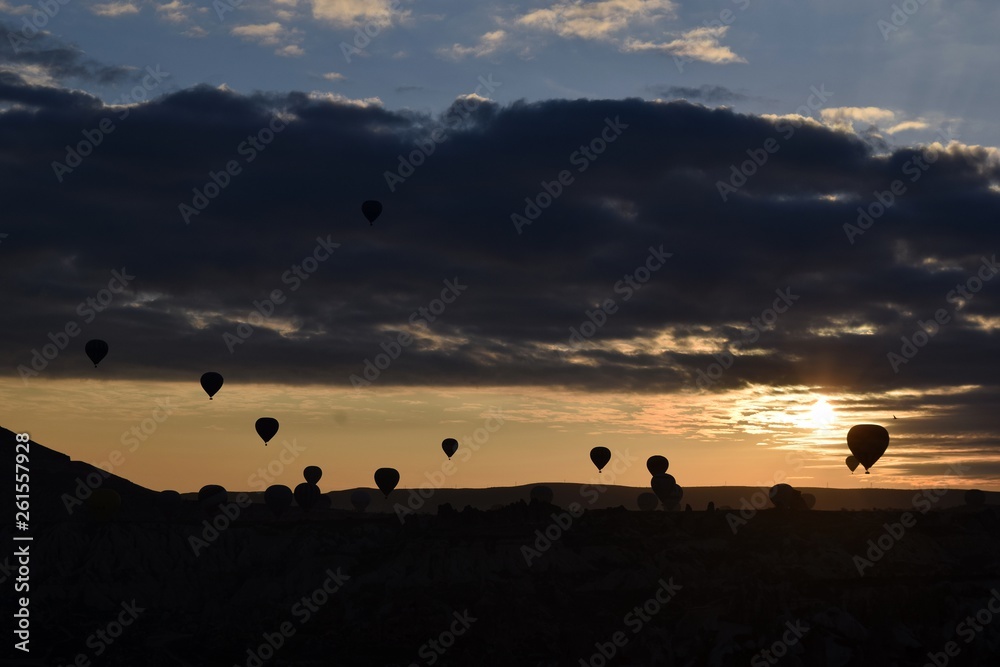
column 44, row 60
column 700, row 44
column 359, row 13
column 705, row 93
column 488, row 44
column 845, row 117
column 908, row 125
column 114, row 9
column 272, row 34
column 600, row 19
column 334, row 76
column 175, row 11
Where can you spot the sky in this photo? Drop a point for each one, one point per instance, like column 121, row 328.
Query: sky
column 724, row 232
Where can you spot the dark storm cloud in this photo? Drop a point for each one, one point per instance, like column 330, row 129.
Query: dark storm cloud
column 705, row 93
column 56, row 59
column 656, row 184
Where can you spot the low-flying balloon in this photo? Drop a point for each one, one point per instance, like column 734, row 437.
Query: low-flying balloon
column 665, row 487
column 542, row 494
column 809, row 500
column 783, row 496
column 266, row 428
column 312, row 474
column 211, row 382
column 647, row 501
column 278, row 498
column 600, row 456
column 852, row 463
column 361, row 499
column 450, row 446
column 657, row 465
column 372, row 210
column 96, row 350
column 868, row 443
column 307, row 495
column 386, row 480
column 211, row 496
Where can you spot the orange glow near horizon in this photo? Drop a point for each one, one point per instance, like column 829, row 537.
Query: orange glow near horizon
column 737, row 438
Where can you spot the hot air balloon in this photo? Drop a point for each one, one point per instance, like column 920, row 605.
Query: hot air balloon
column 852, row 463
column 171, row 502
column 372, row 210
column 361, row 499
column 975, row 498
column 386, row 480
column 96, row 349
column 278, row 498
column 211, row 382
column 657, row 465
column 450, row 446
column 211, row 496
column 312, row 474
column 665, row 487
column 868, row 443
column 600, row 456
column 307, row 495
column 266, row 428
column 647, row 501
column 809, row 500
column 542, row 494
column 783, row 496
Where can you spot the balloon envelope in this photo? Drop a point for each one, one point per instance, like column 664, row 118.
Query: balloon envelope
column 868, row 443
column 211, row 496
column 665, row 487
column 782, row 495
column 266, row 428
column 372, row 210
column 450, row 446
column 361, row 499
column 211, row 382
column 809, row 500
column 96, row 349
column 306, row 495
column 852, row 463
column 657, row 465
column 542, row 494
column 600, row 456
column 386, row 480
column 278, row 498
column 647, row 501
column 312, row 474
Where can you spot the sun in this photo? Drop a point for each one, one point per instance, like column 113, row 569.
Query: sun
column 820, row 415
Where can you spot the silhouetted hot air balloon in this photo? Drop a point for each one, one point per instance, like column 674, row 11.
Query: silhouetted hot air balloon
column 657, row 465
column 647, row 501
column 266, row 428
column 211, row 496
column 361, row 499
column 809, row 500
column 372, row 210
column 852, row 463
column 312, row 474
column 450, row 446
column 782, row 495
column 600, row 456
column 386, row 480
column 307, row 495
column 975, row 498
column 868, row 443
column 542, row 494
column 96, row 349
column 665, row 487
column 211, row 382
column 278, row 498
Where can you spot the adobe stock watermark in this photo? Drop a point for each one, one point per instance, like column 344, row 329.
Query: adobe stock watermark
column 467, row 448
column 101, row 639
column 762, row 498
column 724, row 360
column 363, row 35
column 394, row 348
column 87, row 310
column 740, row 174
column 901, row 13
column 424, row 147
column 581, row 158
column 302, row 611
column 132, row 439
column 31, row 26
column 635, row 620
column 264, row 477
column 294, row 277
column 227, row 513
column 914, row 168
column 926, row 331
column 563, row 521
column 94, row 137
column 780, row 647
column 892, row 533
column 627, row 286
column 218, row 181
column 967, row 629
column 433, row 650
